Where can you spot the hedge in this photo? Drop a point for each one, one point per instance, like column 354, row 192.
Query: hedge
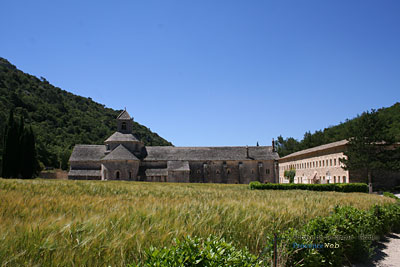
column 354, row 187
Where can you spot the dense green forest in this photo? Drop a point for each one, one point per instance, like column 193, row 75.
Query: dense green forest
column 59, row 119
column 390, row 118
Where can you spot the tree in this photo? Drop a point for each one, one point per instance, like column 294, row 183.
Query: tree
column 286, row 146
column 19, row 155
column 30, row 164
column 369, row 146
column 10, row 153
column 290, row 174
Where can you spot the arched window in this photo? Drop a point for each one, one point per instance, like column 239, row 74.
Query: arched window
column 117, row 175
column 217, row 171
column 228, row 171
column 123, row 126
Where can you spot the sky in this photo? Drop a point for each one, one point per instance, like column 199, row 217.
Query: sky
column 214, row 73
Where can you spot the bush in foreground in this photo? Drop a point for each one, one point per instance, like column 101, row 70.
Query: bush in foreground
column 199, row 252
column 354, row 187
column 346, row 236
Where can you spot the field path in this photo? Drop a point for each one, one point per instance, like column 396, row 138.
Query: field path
column 387, row 253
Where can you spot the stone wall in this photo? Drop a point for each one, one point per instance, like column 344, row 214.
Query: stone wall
column 55, row 174
column 128, row 170
column 178, row 176
column 85, row 165
column 231, row 172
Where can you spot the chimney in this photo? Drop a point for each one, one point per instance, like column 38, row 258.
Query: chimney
column 247, row 151
column 273, row 145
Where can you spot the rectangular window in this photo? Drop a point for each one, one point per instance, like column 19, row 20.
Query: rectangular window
column 320, row 163
column 334, row 162
column 330, row 162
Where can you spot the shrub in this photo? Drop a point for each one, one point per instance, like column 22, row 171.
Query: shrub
column 199, row 252
column 354, row 187
column 353, row 231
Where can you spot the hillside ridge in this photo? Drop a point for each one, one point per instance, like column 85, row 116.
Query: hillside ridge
column 390, row 117
column 60, row 119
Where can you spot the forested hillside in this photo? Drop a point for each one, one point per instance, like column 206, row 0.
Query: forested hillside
column 390, row 117
column 59, row 119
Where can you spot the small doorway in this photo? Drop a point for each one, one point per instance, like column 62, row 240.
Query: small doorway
column 117, row 175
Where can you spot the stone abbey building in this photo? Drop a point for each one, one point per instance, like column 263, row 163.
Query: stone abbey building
column 124, row 157
column 321, row 165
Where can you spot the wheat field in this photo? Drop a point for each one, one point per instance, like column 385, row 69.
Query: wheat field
column 98, row 223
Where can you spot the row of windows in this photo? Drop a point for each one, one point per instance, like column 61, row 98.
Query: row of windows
column 314, row 164
column 228, row 171
column 337, row 179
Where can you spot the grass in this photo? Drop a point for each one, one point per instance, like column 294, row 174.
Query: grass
column 97, row 223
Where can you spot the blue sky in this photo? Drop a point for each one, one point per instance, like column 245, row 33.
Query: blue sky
column 214, row 73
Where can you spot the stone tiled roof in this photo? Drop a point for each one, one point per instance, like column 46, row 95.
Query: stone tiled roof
column 124, row 115
column 88, row 153
column 121, row 137
column 89, row 173
column 156, row 172
column 178, row 165
column 317, row 148
column 120, row 153
column 209, row 153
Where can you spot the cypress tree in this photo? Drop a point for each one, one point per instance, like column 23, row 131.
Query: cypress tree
column 29, row 160
column 20, row 149
column 4, row 162
column 19, row 154
column 10, row 153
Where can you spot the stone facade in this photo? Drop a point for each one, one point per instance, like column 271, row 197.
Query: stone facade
column 316, row 165
column 124, row 157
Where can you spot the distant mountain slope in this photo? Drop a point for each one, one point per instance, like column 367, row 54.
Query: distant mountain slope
column 59, row 119
column 390, row 116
